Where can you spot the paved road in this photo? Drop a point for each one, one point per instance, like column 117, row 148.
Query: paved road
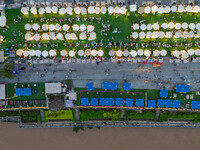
column 169, row 74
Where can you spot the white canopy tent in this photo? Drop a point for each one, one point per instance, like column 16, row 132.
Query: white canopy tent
column 51, row 27
column 123, row 10
column 135, row 35
column 119, row 53
column 198, row 26
column 163, row 52
column 147, row 53
column 140, row 52
column 88, row 52
column 36, row 37
column 27, row 26
column 24, row 10
column 154, row 8
column 41, row 11
column 19, row 52
column 192, row 26
column 191, row 34
column 28, row 36
column 91, row 10
column 54, row 9
column 156, row 53
column 75, row 27
column 35, row 26
column 195, row 9
column 68, row 36
column 83, row 10
column 117, row 10
column 142, row 35
column 77, row 10
column 71, row 53
column 69, row 10
column 103, row 10
column 149, row 27
column 45, row 53
column 110, row 10
column 62, row 11
column 92, row 36
column 100, row 53
column 178, row 34
column 133, row 53
column 156, row 26
column 58, row 27
column 65, row 27
column 126, row 53
column 94, row 52
column 173, row 8
column 111, row 53
column 155, row 34
column 191, row 52
column 149, row 34
column 161, row 10
column 59, row 36
column 136, row 26
column 97, row 10
column 147, row 10
column 176, row 53
column 81, row 53
column 73, row 36
column 63, row 53
column 161, row 34
column 197, row 52
column 133, row 8
column 167, row 9
column 181, row 8
column 184, row 54
column 38, row 53
column 52, row 52
column 178, row 26
column 143, row 27
column 171, row 25
column 48, row 10
column 32, row 53
column 82, row 27
column 45, row 27
column 189, row 8
column 45, row 36
column 26, row 53
column 52, row 35
column 164, row 25
column 184, row 25
column 168, row 35
column 90, row 28
column 82, row 36
column 33, row 10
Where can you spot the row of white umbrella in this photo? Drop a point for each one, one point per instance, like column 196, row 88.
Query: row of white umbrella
column 170, row 25
column 59, row 27
column 168, row 9
column 161, row 34
column 186, row 53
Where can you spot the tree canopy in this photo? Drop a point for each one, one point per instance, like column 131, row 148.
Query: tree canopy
column 7, row 71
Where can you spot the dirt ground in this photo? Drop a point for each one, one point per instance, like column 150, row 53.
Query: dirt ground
column 14, row 138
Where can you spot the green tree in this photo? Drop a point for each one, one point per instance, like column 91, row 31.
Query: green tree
column 7, row 70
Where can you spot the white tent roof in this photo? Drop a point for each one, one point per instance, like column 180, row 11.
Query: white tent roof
column 38, row 53
column 90, row 28
column 133, row 7
column 52, row 52
column 184, row 54
column 68, row 36
column 117, row 10
column 149, row 34
column 63, row 53
column 178, row 26
column 198, row 33
column 82, row 36
column 52, row 35
column 103, row 10
column 169, row 35
column 32, row 53
column 143, row 27
column 51, row 88
column 147, row 53
column 77, row 10
column 91, row 10
column 69, row 10
column 136, row 26
column 173, row 8
column 185, row 34
column 123, row 10
column 181, row 8
column 33, row 10
column 37, row 37
column 195, row 9
column 45, row 36
column 177, row 34
column 161, row 10
column 81, row 53
column 75, row 27
column 198, row 26
column 82, row 27
column 140, row 52
column 192, row 26
column 19, row 52
column 161, row 34
column 171, row 25
column 197, row 52
column 154, row 8
column 156, row 53
column 26, row 53
column 111, row 53
column 73, row 36
column 41, row 11
column 110, row 10
column 62, row 11
column 28, row 36
column 155, row 34
column 71, row 53
column 65, row 27
column 191, row 52
column 164, row 26
column 147, row 10
column 141, row 10
column 142, row 35
column 48, row 10
column 156, row 26
column 59, row 36
column 119, row 53
column 2, row 91
column 58, row 27
column 126, row 53
column 100, row 53
column 135, row 35
column 149, row 27
column 35, row 26
column 184, row 25
column 191, row 34
column 83, row 10
column 92, row 36
column 189, row 8
column 176, row 53
column 45, row 53
column 163, row 52
column 45, row 27
column 97, row 10
column 27, row 26
column 94, row 52
column 24, row 10
column 54, row 9
column 167, row 9
column 51, row 27
column 133, row 53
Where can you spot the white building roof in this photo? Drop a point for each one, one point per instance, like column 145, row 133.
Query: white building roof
column 51, row 88
column 2, row 91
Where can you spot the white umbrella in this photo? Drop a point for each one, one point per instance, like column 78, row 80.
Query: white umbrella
column 164, row 26
column 111, row 53
column 32, row 53
column 177, row 26
column 149, row 34
column 176, row 53
column 185, row 34
column 52, row 35
column 119, row 53
column 142, row 35
column 2, row 21
column 197, row 52
column 81, row 53
column 169, row 35
column 110, row 10
column 52, row 52
column 117, row 10
column 147, row 10
column 73, row 36
column 103, row 10
column 51, row 27
column 65, row 27
column 154, row 8
column 133, row 7
column 100, row 53
column 133, row 53
column 71, row 53
column 195, row 9
column 161, row 34
column 198, row 33
column 181, row 8
column 45, row 36
column 24, row 10
column 91, row 10
column 48, row 9
column 192, row 26
column 149, row 27
column 87, row 52
column 167, row 9
column 62, row 11
column 82, row 36
column 45, row 27
column 68, row 36
column 97, row 10
column 90, row 28
column 140, row 52
column 191, row 34
column 184, row 54
column 191, row 52
column 141, row 10
column 35, row 26
column 163, row 52
column 135, row 35
column 45, row 53
column 63, row 53
column 126, row 53
column 173, row 8
column 75, row 27
column 77, row 10
column 143, row 27
column 156, row 53
column 54, row 9
column 177, row 34
column 37, row 37
column 93, row 52
column 59, row 36
column 26, row 53
column 28, row 36
column 161, row 10
column 198, row 26
column 189, row 8
column 33, row 10
column 27, row 26
column 136, row 26
column 147, row 53
column 83, row 10
column 82, row 27
column 41, row 11
column 92, row 36
column 37, row 53
column 156, row 26
column 123, row 10
column 171, row 25
column 58, row 27
column 19, row 52
column 69, row 10
column 184, row 25
column 155, row 34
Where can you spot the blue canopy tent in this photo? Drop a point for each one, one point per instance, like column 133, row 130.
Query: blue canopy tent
column 163, row 93
column 182, row 88
column 27, row 91
column 176, row 103
column 106, row 101
column 85, row 101
column 119, row 101
column 129, row 102
column 109, row 85
column 127, row 86
column 195, row 104
column 94, row 101
column 90, row 86
column 152, row 103
column 164, row 103
column 140, row 102
column 19, row 92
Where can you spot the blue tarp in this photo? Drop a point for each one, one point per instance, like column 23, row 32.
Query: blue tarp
column 27, row 91
column 152, row 103
column 127, row 86
column 164, row 103
column 195, row 104
column 176, row 103
column 90, row 86
column 119, row 101
column 129, row 102
column 109, row 86
column 106, row 101
column 23, row 91
column 163, row 93
column 94, row 102
column 182, row 88
column 85, row 101
column 140, row 102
